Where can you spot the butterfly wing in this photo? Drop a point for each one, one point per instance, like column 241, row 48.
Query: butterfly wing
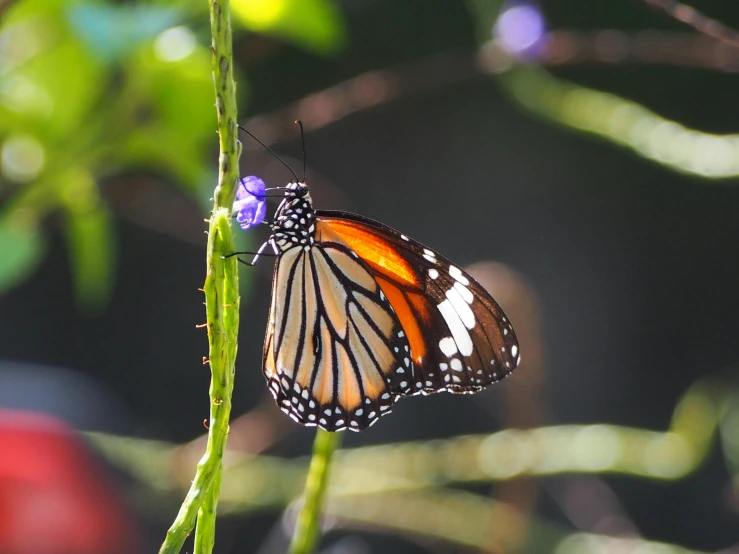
column 460, row 339
column 335, row 353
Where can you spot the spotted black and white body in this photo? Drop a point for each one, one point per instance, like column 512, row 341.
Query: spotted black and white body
column 362, row 315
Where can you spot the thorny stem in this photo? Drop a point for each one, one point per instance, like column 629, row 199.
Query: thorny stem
column 221, row 301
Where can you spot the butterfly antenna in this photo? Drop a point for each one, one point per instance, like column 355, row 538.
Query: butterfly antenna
column 302, row 139
column 290, row 169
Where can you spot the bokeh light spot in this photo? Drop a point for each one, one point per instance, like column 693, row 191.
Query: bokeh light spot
column 174, row 44
column 520, row 29
column 261, row 14
column 22, row 158
column 20, row 94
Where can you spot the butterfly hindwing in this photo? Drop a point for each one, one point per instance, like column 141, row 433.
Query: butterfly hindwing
column 335, row 353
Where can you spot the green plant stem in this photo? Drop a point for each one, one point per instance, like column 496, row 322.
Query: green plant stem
column 221, row 302
column 623, row 122
column 222, row 307
column 205, row 530
column 307, row 528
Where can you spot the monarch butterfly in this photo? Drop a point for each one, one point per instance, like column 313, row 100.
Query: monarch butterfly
column 362, row 315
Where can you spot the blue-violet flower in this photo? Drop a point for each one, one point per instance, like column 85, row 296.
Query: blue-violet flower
column 250, row 205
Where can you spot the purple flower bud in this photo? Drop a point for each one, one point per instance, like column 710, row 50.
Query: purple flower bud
column 521, row 29
column 250, row 205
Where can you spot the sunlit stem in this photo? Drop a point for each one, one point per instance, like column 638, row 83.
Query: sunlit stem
column 221, row 302
column 308, row 526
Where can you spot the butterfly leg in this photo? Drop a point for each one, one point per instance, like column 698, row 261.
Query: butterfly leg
column 256, row 254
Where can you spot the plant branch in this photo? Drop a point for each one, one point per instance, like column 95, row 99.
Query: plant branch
column 307, row 528
column 698, row 21
column 380, row 87
column 221, row 301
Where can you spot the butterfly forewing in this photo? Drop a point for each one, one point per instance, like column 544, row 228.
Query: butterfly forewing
column 335, row 353
column 460, row 339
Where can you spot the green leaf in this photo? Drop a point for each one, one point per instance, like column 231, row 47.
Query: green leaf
column 22, row 248
column 50, row 81
column 313, row 24
column 89, row 232
column 176, row 135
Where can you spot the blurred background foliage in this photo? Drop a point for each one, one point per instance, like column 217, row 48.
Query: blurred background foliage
column 591, row 149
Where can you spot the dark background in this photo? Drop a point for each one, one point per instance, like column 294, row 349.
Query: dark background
column 634, row 265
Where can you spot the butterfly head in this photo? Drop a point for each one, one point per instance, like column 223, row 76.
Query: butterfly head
column 294, row 224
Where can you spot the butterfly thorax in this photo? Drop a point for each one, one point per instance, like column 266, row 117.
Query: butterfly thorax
column 294, row 224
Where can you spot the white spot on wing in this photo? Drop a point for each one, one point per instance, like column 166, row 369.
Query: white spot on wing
column 456, row 365
column 514, row 350
column 458, row 329
column 464, row 292
column 433, row 273
column 403, row 237
column 448, row 346
column 461, row 307
column 457, row 274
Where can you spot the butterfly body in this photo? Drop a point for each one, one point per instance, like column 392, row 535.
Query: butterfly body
column 362, row 315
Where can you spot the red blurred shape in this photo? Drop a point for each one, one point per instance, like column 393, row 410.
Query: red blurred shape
column 54, row 497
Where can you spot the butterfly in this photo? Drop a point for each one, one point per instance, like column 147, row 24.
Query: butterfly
column 362, row 315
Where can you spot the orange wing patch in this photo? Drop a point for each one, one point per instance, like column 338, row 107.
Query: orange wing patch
column 379, row 254
column 392, row 272
column 407, row 319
